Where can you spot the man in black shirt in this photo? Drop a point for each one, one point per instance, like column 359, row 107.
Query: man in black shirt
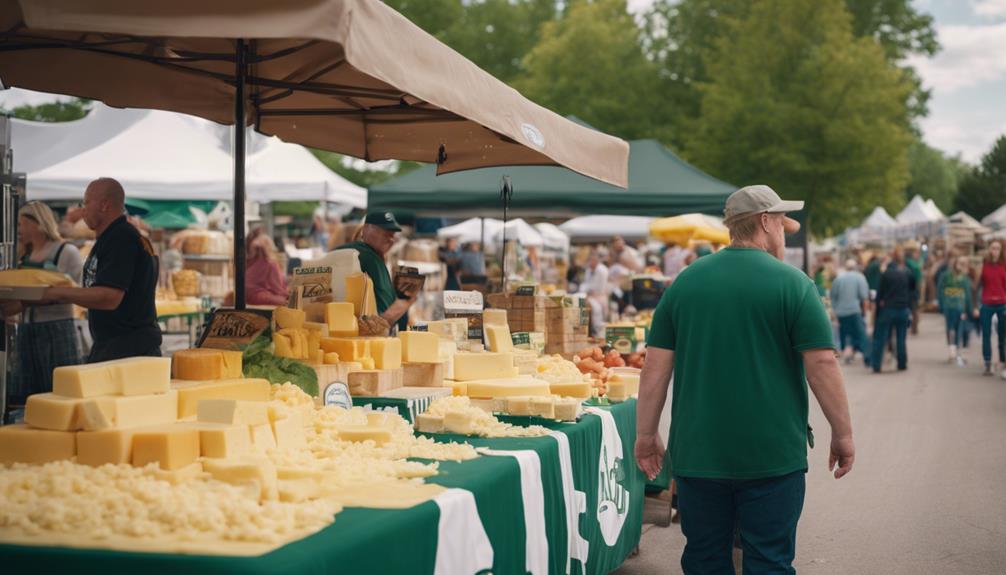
column 894, row 310
column 120, row 277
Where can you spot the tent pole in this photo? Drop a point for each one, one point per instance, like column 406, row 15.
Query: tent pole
column 241, row 72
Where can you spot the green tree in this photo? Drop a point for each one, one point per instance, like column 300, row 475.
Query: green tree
column 933, row 175
column 590, row 64
column 366, row 177
column 794, row 101
column 54, row 112
column 983, row 190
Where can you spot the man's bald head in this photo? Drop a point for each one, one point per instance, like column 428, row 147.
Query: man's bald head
column 104, row 202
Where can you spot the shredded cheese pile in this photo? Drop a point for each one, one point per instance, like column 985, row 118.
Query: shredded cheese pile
column 555, row 369
column 483, row 423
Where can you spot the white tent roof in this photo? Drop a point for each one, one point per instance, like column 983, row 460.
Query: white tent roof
column 962, row 218
column 520, row 231
column 165, row 155
column 996, row 219
column 16, row 97
column 879, row 218
column 604, row 227
column 919, row 211
column 555, row 239
column 470, row 230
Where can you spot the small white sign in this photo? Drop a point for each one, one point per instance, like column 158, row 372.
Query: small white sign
column 533, row 135
column 337, row 393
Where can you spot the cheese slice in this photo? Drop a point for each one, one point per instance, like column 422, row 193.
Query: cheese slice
column 446, row 354
column 171, row 447
column 484, row 365
column 289, row 318
column 360, row 433
column 22, row 444
column 387, row 352
column 256, row 473
column 492, row 388
column 341, row 317
column 356, row 292
column 426, row 423
column 232, row 412
column 420, row 346
column 203, row 364
column 498, row 338
column 190, row 393
column 578, row 389
column 494, row 317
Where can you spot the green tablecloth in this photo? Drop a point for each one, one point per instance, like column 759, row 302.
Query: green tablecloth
column 406, row 541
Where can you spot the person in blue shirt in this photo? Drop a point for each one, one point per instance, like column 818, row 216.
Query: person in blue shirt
column 850, row 300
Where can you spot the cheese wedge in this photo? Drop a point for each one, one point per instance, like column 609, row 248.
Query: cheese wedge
column 498, row 338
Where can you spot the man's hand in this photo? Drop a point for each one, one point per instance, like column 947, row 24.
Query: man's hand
column 649, row 454
column 843, row 453
column 374, row 325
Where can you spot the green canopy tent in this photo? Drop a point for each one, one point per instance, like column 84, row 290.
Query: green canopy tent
column 660, row 184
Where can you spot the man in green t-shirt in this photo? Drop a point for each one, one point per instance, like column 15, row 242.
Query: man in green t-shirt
column 376, row 240
column 744, row 334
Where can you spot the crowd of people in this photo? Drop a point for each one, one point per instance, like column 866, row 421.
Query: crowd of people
column 888, row 291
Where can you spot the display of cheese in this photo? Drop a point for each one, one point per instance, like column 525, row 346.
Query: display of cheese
column 330, row 358
column 498, row 338
column 449, row 329
column 34, row 277
column 113, row 446
column 190, row 393
column 201, row 364
column 171, row 447
column 130, row 376
column 341, row 318
column 349, row 349
column 22, row 444
column 577, row 389
column 470, row 366
column 506, row 387
column 320, row 328
column 420, row 346
column 232, row 412
column 288, row 318
column 542, row 407
column 387, row 352
column 460, row 416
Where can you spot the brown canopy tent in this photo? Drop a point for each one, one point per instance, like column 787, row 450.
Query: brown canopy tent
column 351, row 76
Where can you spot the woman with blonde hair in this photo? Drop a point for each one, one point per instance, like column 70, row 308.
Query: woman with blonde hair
column 47, row 337
column 265, row 283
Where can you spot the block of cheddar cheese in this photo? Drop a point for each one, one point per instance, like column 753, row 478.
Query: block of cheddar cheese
column 289, row 318
column 113, row 446
column 51, row 411
column 578, row 389
column 420, row 346
column 22, row 444
column 130, row 376
column 349, row 349
column 387, row 352
column 498, row 338
column 341, row 318
column 190, row 393
column 483, row 365
column 507, row 387
column 203, row 364
column 219, row 440
column 171, row 447
column 232, row 412
column 360, row 433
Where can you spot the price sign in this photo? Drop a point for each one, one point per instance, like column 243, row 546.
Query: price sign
column 233, row 329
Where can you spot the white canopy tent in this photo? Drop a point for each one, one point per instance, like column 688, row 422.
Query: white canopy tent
column 996, row 219
column 879, row 219
column 554, row 238
column 470, row 230
column 602, row 228
column 919, row 211
column 519, row 231
column 165, row 155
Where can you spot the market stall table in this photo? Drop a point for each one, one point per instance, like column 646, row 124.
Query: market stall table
column 608, row 524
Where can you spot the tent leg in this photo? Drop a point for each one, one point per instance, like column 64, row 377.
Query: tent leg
column 239, row 175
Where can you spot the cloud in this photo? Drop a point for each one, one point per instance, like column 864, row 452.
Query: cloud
column 990, row 8
column 971, row 56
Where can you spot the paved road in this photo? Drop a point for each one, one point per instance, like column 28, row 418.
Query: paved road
column 928, row 492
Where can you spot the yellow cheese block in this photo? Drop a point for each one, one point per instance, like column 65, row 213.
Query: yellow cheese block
column 113, row 446
column 219, row 440
column 459, row 422
column 567, row 409
column 313, row 340
column 543, row 407
column 579, row 389
column 190, row 393
column 446, row 354
column 97, row 413
column 330, row 358
column 256, row 473
column 518, row 405
column 140, row 410
column 317, row 356
column 420, row 346
column 457, row 387
column 262, row 438
column 283, row 346
column 356, row 292
column 426, row 423
column 387, row 352
column 320, row 328
column 298, row 342
column 449, row 329
column 523, row 385
column 34, row 277
column 232, row 412
column 289, row 318
column 494, row 317
column 179, row 476
column 349, row 349
column 498, row 338
column 359, row 433
column 171, row 447
column 368, row 363
column 22, row 444
column 204, row 364
column 341, row 317
column 484, row 365
column 130, row 376
column 50, row 411
column 289, row 433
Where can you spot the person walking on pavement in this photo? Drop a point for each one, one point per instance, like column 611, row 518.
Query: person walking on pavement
column 850, row 299
column 914, row 265
column 954, row 296
column 739, row 430
column 894, row 310
column 993, row 297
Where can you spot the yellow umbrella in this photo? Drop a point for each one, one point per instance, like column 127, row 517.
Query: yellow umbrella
column 689, row 227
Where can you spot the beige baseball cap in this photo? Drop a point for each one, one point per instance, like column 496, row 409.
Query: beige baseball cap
column 759, row 199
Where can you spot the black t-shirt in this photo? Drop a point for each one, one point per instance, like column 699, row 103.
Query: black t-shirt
column 123, row 259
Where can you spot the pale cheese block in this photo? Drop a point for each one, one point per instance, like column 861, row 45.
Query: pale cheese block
column 368, row 363
column 86, row 380
column 171, row 447
column 258, row 473
column 386, row 352
column 330, row 358
column 289, row 433
column 494, row 317
column 142, row 375
column 316, row 326
column 22, row 444
column 298, row 342
column 459, row 422
column 232, row 412
column 378, row 419
column 53, row 412
column 262, row 438
column 485, row 365
column 134, row 410
column 543, row 407
column 567, row 409
column 361, row 433
column 489, row 405
column 317, row 356
column 507, row 387
column 446, row 353
column 449, row 329
column 630, row 383
column 219, row 440
column 113, row 446
column 190, row 393
column 349, row 349
column 182, row 475
column 426, row 423
column 288, row 318
column 96, row 413
column 202, row 364
column 356, row 292
column 341, row 317
column 420, row 346
column 498, row 338
column 578, row 389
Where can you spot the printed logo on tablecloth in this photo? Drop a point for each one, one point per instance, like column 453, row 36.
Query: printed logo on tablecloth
column 612, row 498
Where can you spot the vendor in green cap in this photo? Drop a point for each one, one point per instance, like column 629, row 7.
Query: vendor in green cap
column 373, row 243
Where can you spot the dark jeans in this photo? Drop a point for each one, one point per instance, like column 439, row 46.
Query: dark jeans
column 956, row 326
column 985, row 317
column 852, row 328
column 765, row 511
column 888, row 319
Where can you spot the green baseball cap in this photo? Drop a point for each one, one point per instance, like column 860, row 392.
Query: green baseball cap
column 383, row 220
column 755, row 200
